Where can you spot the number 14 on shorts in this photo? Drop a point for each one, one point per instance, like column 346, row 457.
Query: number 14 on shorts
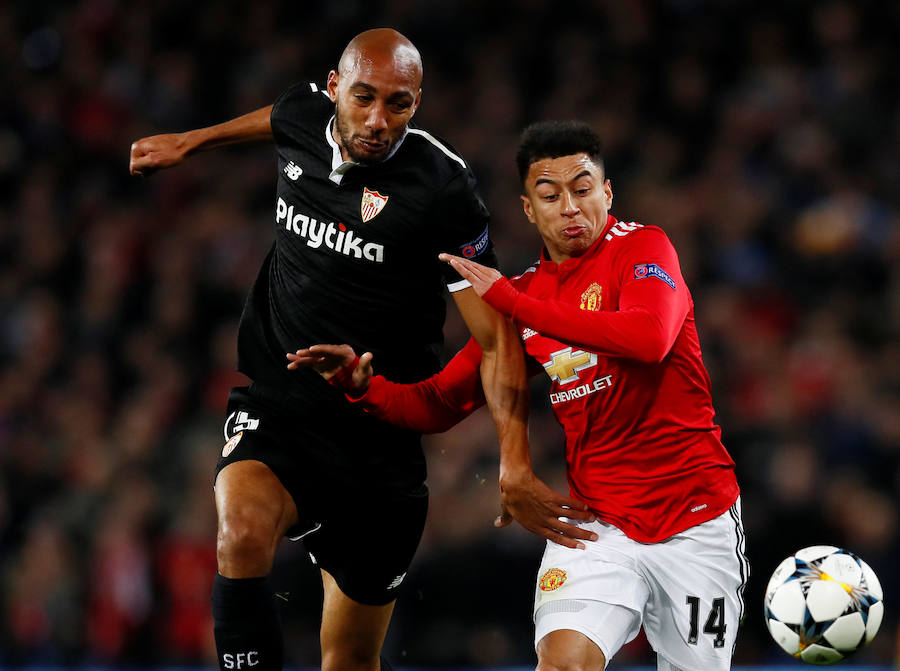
column 715, row 621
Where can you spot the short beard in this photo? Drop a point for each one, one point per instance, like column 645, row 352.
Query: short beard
column 345, row 141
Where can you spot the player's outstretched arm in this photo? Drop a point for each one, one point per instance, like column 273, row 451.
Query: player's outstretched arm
column 523, row 496
column 163, row 151
column 644, row 327
column 429, row 406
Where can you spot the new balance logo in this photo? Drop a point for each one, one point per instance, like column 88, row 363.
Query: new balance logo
column 396, row 581
column 293, row 171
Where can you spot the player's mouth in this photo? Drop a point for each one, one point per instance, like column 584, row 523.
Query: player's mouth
column 574, row 231
column 371, row 146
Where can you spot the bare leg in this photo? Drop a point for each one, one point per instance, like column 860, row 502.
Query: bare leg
column 569, row 650
column 352, row 633
column 254, row 511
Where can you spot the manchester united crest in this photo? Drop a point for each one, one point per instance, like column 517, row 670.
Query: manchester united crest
column 590, row 299
column 552, row 579
column 372, row 203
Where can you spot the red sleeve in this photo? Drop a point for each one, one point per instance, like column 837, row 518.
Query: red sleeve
column 433, row 405
column 652, row 305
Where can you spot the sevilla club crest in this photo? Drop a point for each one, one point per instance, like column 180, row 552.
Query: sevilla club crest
column 372, row 203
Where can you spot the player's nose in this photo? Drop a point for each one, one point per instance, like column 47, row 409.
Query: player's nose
column 569, row 207
column 377, row 118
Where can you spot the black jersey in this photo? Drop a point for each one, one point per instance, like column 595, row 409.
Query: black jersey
column 355, row 254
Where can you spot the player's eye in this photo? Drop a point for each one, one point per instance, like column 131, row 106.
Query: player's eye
column 399, row 108
column 363, row 97
column 582, row 187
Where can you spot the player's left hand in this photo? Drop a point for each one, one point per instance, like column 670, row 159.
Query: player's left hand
column 480, row 277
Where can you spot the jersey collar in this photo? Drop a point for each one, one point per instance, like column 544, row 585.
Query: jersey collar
column 339, row 166
column 571, row 264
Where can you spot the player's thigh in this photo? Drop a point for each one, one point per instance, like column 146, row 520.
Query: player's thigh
column 367, row 543
column 581, row 634
column 253, row 502
column 697, row 580
column 248, row 492
column 596, row 592
column 352, row 633
column 568, row 649
column 258, row 430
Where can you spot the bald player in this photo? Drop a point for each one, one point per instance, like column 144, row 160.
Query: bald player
column 364, row 201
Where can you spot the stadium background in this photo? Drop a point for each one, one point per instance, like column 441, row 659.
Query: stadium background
column 763, row 137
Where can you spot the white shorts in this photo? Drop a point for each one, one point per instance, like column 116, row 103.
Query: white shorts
column 686, row 591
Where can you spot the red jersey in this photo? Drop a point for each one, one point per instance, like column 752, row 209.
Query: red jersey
column 614, row 330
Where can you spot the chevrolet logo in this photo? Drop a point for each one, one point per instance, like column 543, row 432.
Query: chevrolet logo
column 565, row 364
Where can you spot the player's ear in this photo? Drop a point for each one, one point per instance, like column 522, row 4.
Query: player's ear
column 417, row 102
column 332, row 85
column 526, row 206
column 607, row 190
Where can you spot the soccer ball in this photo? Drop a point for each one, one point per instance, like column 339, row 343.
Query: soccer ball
column 822, row 604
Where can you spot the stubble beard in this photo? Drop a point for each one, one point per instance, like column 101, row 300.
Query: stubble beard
column 346, row 142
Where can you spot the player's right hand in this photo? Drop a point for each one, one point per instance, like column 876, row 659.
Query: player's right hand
column 525, row 498
column 481, row 277
column 156, row 152
column 330, row 360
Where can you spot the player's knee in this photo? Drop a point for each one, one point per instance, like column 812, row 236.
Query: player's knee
column 245, row 544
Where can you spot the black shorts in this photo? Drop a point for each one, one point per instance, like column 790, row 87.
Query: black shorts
column 358, row 485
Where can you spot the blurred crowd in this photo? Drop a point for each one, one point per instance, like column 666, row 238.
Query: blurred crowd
column 763, row 137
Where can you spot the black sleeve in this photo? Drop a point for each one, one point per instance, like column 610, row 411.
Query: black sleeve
column 290, row 111
column 461, row 220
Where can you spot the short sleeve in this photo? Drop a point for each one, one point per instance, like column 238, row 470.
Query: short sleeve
column 462, row 222
column 290, row 110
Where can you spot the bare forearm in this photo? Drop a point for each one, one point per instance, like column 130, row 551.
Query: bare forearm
column 503, row 374
column 157, row 152
column 523, row 496
column 253, row 127
column 505, row 386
